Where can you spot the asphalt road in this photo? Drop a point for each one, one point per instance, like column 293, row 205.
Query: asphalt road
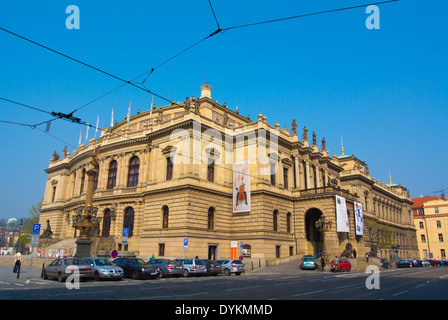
column 284, row 282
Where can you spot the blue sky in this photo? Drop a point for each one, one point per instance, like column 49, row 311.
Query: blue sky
column 384, row 91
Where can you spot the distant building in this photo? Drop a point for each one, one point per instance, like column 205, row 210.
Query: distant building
column 201, row 171
column 431, row 222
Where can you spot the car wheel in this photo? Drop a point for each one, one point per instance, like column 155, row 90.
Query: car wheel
column 160, row 273
column 60, row 277
column 135, row 275
column 45, row 275
column 349, row 268
column 238, row 273
column 227, row 272
column 186, row 273
column 97, row 276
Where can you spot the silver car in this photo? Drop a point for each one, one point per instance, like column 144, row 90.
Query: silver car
column 230, row 266
column 62, row 268
column 192, row 266
column 104, row 269
column 167, row 267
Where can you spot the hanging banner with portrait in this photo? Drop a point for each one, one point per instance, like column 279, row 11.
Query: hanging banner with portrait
column 241, row 186
column 342, row 224
column 359, row 220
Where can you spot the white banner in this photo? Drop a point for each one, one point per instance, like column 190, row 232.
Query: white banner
column 342, row 224
column 241, row 186
column 359, row 221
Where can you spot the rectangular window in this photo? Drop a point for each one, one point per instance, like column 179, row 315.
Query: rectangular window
column 273, row 169
column 423, row 237
column 54, row 194
column 439, row 224
column 161, row 249
column 285, row 178
column 277, row 252
column 436, row 210
column 421, row 225
column 169, row 168
column 442, row 253
column 425, row 253
column 440, row 237
column 211, row 171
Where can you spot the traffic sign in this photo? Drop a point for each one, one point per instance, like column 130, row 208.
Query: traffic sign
column 185, row 242
column 36, row 228
column 124, row 240
column 114, row 254
column 34, row 240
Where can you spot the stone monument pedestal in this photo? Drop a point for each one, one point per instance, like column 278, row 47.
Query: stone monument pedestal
column 83, row 248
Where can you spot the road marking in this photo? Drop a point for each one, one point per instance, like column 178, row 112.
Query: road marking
column 306, row 293
column 242, row 288
column 396, row 294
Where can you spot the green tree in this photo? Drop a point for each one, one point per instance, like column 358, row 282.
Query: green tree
column 33, row 217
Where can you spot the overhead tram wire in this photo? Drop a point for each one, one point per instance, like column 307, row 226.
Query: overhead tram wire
column 305, row 15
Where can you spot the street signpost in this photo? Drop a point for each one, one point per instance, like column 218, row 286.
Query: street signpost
column 185, row 247
column 35, row 233
column 124, row 240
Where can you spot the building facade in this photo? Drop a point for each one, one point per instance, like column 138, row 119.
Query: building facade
column 431, row 222
column 175, row 172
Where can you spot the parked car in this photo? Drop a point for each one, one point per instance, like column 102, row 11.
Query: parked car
column 342, row 264
column 213, row 268
column 62, row 268
column 192, row 266
column 230, row 266
column 434, row 263
column 406, row 263
column 384, row 263
column 167, row 267
column 136, row 268
column 104, row 269
column 425, row 263
column 308, row 263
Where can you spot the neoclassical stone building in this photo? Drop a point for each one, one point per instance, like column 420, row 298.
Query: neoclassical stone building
column 172, row 173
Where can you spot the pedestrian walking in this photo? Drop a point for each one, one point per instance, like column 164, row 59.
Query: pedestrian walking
column 354, row 253
column 322, row 262
column 17, row 262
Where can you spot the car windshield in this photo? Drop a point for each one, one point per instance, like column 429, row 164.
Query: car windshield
column 103, row 262
column 308, row 259
column 136, row 261
column 171, row 261
column 75, row 262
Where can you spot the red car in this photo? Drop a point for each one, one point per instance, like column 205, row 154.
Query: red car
column 343, row 264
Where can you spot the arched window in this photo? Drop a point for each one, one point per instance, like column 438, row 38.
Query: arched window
column 211, row 218
column 134, row 167
column 83, row 180
column 165, row 216
column 288, row 222
column 106, row 223
column 275, row 220
column 128, row 221
column 95, row 184
column 112, row 178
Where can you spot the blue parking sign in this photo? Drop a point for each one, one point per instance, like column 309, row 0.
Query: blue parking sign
column 36, row 228
column 125, row 232
column 186, row 242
